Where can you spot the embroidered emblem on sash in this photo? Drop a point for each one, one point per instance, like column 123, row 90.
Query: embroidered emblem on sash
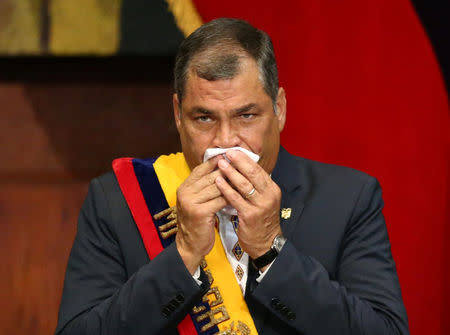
column 218, row 313
column 240, row 329
column 217, row 297
column 170, row 228
column 211, row 314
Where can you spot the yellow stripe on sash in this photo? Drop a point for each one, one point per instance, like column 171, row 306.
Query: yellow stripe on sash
column 171, row 171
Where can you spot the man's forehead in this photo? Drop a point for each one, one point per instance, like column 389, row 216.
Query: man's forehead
column 248, row 71
column 223, row 95
column 224, row 65
column 217, row 63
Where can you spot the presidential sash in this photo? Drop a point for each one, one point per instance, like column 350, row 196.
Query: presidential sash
column 149, row 187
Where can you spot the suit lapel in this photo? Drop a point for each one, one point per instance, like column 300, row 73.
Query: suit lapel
column 288, row 177
column 292, row 201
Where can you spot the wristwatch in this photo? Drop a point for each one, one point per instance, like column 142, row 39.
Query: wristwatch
column 269, row 256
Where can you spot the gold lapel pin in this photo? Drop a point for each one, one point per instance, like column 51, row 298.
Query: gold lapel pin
column 286, row 213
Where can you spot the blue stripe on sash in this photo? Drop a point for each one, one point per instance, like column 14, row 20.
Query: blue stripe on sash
column 153, row 193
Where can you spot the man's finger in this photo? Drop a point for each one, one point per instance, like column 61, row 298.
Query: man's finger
column 207, row 194
column 233, row 197
column 215, row 205
column 249, row 169
column 201, row 170
column 240, row 183
column 205, row 181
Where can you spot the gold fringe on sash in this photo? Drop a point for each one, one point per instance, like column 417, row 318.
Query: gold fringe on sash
column 186, row 15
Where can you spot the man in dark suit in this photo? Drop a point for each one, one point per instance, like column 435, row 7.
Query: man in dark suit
column 323, row 266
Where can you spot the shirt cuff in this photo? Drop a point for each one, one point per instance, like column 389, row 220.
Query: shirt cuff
column 262, row 274
column 196, row 276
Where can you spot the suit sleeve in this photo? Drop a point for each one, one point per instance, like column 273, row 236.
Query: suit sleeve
column 364, row 298
column 100, row 298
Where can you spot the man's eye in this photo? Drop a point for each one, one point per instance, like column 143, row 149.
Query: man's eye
column 247, row 115
column 204, row 118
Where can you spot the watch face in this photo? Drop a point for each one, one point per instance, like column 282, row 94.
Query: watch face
column 278, row 243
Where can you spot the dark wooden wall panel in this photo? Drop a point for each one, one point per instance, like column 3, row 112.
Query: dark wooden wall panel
column 60, row 126
column 25, row 147
column 78, row 128
column 37, row 228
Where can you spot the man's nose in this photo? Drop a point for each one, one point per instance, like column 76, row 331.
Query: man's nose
column 226, row 136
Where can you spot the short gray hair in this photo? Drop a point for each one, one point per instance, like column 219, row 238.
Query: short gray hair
column 215, row 49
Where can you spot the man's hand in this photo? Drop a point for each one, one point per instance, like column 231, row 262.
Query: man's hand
column 198, row 199
column 258, row 210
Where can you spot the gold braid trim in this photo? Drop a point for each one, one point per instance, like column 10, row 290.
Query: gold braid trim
column 186, row 16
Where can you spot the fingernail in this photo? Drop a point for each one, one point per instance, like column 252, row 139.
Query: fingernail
column 223, row 163
column 219, row 180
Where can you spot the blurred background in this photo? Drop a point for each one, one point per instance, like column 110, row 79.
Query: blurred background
column 84, row 82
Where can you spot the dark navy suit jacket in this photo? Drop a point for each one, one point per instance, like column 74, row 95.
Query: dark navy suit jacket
column 335, row 274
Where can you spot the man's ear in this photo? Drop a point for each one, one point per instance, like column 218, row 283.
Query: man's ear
column 176, row 110
column 281, row 108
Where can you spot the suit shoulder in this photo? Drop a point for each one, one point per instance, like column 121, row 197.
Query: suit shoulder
column 327, row 170
column 322, row 175
column 108, row 182
column 111, row 191
column 111, row 207
column 342, row 187
column 105, row 192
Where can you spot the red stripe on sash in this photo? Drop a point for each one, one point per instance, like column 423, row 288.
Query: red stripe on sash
column 124, row 170
column 129, row 185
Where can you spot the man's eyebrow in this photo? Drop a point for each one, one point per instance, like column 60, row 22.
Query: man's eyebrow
column 201, row 110
column 245, row 108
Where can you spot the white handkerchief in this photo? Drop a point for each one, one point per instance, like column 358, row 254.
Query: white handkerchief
column 212, row 152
